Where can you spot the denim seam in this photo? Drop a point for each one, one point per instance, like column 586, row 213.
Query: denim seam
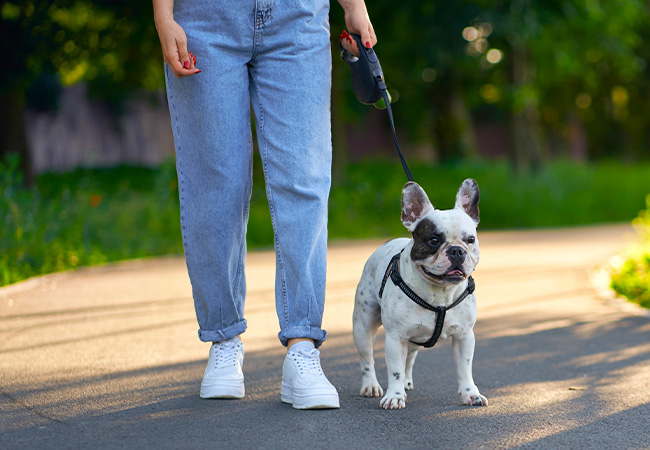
column 260, row 19
column 269, row 195
column 242, row 246
column 179, row 159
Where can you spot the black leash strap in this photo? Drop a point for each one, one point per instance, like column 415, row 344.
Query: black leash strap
column 384, row 94
column 368, row 83
column 392, row 272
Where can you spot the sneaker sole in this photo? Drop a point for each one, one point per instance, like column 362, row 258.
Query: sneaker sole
column 316, row 401
column 221, row 391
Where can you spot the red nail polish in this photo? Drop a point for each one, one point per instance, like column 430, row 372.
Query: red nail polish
column 368, row 44
column 186, row 64
column 198, row 72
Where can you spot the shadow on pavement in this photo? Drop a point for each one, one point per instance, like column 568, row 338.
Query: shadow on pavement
column 583, row 385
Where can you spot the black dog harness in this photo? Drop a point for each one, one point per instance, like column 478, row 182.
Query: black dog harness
column 392, row 271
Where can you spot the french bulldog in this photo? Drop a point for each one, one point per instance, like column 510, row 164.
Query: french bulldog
column 435, row 266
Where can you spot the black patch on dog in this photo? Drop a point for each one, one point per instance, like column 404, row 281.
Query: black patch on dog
column 424, row 244
column 396, row 375
column 467, row 390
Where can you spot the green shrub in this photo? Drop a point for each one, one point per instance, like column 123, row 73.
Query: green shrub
column 93, row 216
column 367, row 202
column 86, row 217
column 631, row 278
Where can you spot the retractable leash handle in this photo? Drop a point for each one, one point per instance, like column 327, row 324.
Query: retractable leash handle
column 367, row 76
column 369, row 85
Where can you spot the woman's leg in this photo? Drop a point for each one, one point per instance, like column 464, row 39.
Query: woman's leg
column 290, row 89
column 210, row 115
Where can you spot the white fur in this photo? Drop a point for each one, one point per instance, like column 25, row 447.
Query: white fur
column 406, row 321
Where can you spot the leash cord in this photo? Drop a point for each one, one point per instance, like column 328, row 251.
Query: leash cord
column 384, row 94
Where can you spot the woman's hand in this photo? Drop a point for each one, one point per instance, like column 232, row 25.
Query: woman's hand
column 174, row 48
column 357, row 21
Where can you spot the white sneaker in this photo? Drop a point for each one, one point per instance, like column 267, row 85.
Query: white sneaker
column 303, row 383
column 223, row 377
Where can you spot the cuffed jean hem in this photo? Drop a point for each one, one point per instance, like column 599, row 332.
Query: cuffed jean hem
column 316, row 334
column 222, row 335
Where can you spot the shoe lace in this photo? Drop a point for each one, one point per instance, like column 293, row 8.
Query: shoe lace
column 308, row 362
column 226, row 354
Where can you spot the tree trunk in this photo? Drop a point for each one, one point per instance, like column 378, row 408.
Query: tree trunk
column 12, row 132
column 465, row 126
column 454, row 126
column 577, row 139
column 528, row 145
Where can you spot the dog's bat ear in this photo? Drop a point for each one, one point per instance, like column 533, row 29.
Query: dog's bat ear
column 467, row 198
column 415, row 205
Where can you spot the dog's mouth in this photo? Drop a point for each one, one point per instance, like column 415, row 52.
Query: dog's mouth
column 454, row 275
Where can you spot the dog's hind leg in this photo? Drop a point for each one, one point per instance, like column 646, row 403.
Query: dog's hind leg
column 366, row 321
column 410, row 361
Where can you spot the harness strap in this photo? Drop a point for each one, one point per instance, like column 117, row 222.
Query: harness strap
column 392, row 272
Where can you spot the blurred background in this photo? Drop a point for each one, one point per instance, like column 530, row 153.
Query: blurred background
column 543, row 103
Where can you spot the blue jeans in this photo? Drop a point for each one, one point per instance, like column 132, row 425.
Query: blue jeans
column 275, row 55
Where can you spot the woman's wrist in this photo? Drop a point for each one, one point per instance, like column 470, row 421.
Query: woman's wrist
column 162, row 18
column 163, row 11
column 353, row 6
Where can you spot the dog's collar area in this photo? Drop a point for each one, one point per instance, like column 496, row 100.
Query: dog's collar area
column 392, row 272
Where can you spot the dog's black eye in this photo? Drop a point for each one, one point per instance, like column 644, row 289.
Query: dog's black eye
column 434, row 241
column 471, row 240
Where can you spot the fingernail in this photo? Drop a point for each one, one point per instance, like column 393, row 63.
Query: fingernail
column 186, row 64
column 198, row 72
column 368, row 44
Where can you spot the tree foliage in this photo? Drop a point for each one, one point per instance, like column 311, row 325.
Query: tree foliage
column 547, row 70
column 561, row 76
column 112, row 45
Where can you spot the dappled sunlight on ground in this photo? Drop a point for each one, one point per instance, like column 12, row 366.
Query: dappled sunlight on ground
column 110, row 357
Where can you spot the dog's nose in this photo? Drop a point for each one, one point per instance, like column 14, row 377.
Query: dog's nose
column 456, row 255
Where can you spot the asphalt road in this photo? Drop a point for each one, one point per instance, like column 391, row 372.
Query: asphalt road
column 109, row 358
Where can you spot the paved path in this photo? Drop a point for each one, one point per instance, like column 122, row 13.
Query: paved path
column 109, row 358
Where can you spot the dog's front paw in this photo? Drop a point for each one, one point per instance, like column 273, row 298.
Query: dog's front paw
column 394, row 401
column 371, row 389
column 472, row 397
column 408, row 384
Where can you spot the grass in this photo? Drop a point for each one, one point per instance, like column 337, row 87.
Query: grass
column 562, row 194
column 630, row 277
column 93, row 216
column 84, row 218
